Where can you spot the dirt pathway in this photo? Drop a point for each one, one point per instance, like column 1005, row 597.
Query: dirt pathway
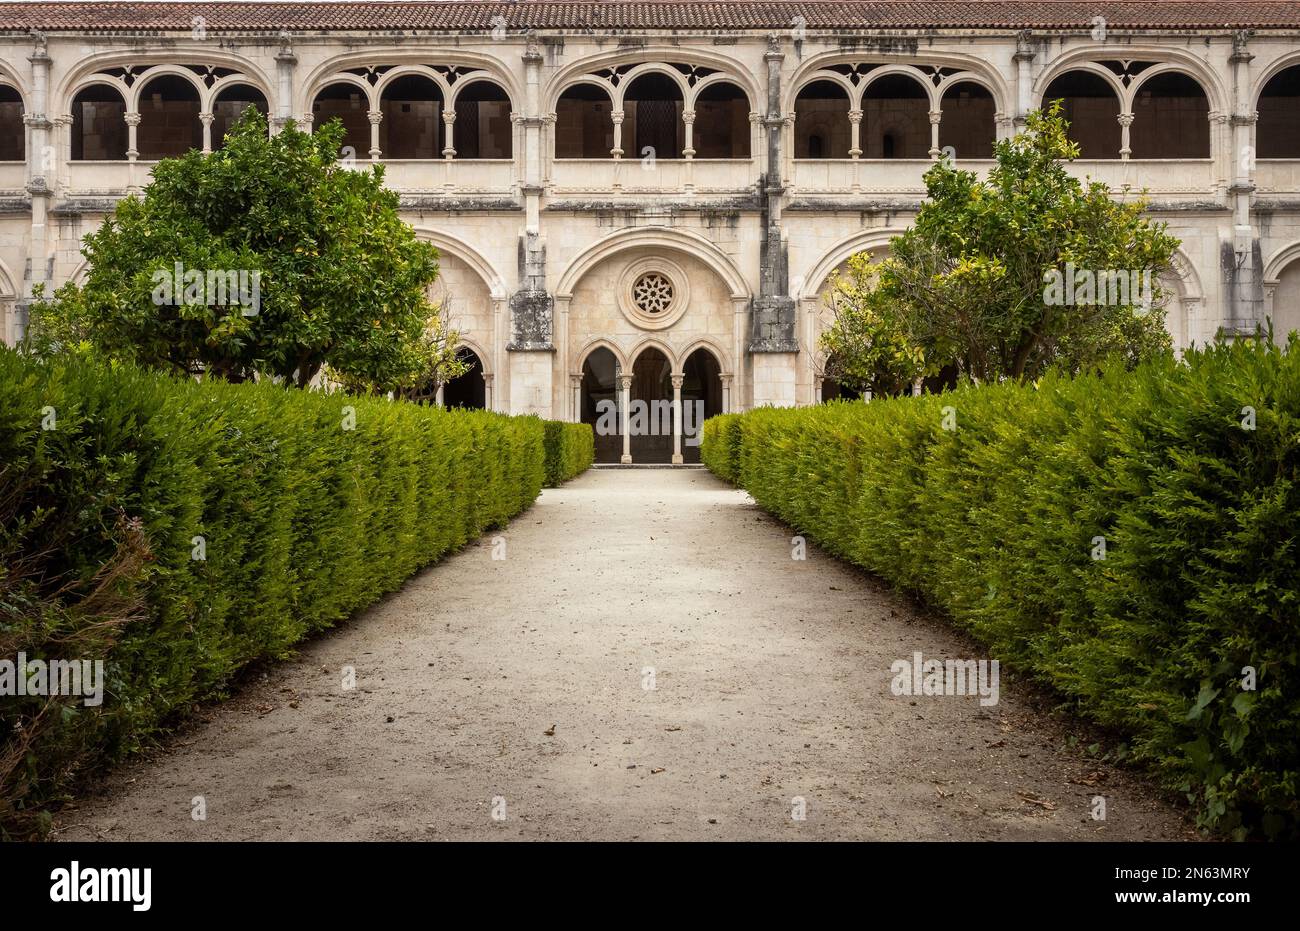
column 771, row 683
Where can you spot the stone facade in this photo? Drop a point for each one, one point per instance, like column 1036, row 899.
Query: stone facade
column 543, row 257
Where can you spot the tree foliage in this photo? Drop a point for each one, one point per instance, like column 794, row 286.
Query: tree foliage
column 327, row 271
column 970, row 286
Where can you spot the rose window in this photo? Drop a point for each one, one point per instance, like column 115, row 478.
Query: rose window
column 652, row 293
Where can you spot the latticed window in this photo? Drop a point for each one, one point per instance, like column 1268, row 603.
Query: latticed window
column 652, row 293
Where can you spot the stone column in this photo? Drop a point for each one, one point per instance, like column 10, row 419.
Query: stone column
column 376, row 117
column 935, row 117
column 1024, row 59
column 132, row 153
column 207, row 119
column 285, row 60
column 726, row 393
column 688, row 117
column 438, row 397
column 1126, row 125
column 677, row 419
column 487, row 392
column 625, row 403
column 38, row 184
column 575, row 382
column 855, row 129
column 449, row 134
column 617, row 117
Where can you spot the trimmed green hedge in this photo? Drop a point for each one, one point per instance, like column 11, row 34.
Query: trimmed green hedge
column 570, row 450
column 310, row 506
column 998, row 522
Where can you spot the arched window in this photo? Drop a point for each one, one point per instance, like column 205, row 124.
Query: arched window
column 1171, row 119
column 1090, row 104
column 169, row 118
column 583, row 125
column 599, row 396
column 821, row 121
column 230, row 105
column 99, row 124
column 348, row 103
column 1277, row 133
column 895, row 119
column 721, row 127
column 652, row 117
column 968, row 124
column 483, row 128
column 412, row 125
column 13, row 134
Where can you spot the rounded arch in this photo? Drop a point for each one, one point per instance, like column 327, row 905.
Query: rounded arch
column 91, row 70
column 653, row 342
column 588, row 68
column 469, row 255
column 7, row 287
column 899, row 70
column 969, row 119
column 712, row 81
column 8, row 297
column 11, row 77
column 601, row 342
column 1083, row 67
column 230, row 99
column 470, row 80
column 1279, row 260
column 367, row 91
column 1277, row 134
column 1092, row 102
column 709, row 345
column 648, row 68
column 393, row 75
column 13, row 130
column 407, row 59
column 822, row 127
column 972, row 66
column 147, row 77
column 98, row 131
column 653, row 236
column 830, row 77
column 484, row 357
column 1086, row 59
column 1264, row 76
column 1173, row 119
column 810, row 288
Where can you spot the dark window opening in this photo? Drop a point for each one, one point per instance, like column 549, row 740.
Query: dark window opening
column 1277, row 132
column 701, row 398
column 13, row 133
column 895, row 119
column 1171, row 119
column 1092, row 108
column 348, row 104
column 821, row 113
column 412, row 125
column 99, row 125
column 583, row 125
column 483, row 128
column 230, row 106
column 599, row 392
column 652, row 118
column 969, row 125
column 721, row 128
column 169, row 119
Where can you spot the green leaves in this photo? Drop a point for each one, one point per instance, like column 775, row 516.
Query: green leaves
column 1185, row 637
column 341, row 279
column 965, row 289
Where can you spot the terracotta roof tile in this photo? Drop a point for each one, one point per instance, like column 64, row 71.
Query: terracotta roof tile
column 439, row 15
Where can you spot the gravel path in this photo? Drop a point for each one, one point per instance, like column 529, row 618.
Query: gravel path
column 516, row 686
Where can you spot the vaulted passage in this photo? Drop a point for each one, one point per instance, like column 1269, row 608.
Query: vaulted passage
column 599, row 398
column 412, row 125
column 652, row 118
column 467, row 390
column 346, row 103
column 1171, row 119
column 482, row 128
column 821, row 121
column 583, row 125
column 650, row 420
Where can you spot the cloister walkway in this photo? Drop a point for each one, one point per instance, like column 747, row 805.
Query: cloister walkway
column 642, row 659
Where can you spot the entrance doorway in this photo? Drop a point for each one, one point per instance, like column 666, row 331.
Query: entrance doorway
column 701, row 399
column 600, row 390
column 467, row 389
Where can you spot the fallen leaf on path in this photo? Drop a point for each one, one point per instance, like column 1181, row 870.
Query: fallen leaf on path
column 550, row 731
column 659, row 769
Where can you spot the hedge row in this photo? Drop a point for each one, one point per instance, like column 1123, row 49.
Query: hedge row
column 1128, row 538
column 570, row 450
column 181, row 531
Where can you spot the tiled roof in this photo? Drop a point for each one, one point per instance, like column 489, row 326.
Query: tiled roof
column 439, row 15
